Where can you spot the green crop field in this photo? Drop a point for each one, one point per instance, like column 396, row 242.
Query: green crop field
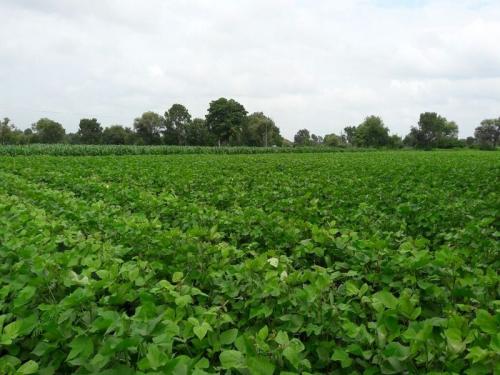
column 377, row 262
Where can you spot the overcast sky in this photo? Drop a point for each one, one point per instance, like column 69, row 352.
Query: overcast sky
column 316, row 64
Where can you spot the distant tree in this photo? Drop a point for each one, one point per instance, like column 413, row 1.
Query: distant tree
column 316, row 140
column 469, row 141
column 48, row 131
column 332, row 140
column 372, row 133
column 90, row 131
column 225, row 120
column 197, row 133
column 260, row 131
column 6, row 131
column 395, row 141
column 177, row 118
column 148, row 128
column 433, row 131
column 72, row 138
column 488, row 133
column 117, row 135
column 350, row 133
column 302, row 138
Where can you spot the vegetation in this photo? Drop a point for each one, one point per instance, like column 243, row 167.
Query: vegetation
column 382, row 262
column 227, row 123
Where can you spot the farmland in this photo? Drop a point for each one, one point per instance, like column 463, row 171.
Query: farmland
column 376, row 262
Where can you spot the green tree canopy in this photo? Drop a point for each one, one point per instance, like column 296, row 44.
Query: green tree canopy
column 372, row 133
column 433, row 131
column 260, row 131
column 302, row 138
column 332, row 140
column 177, row 119
column 117, row 135
column 225, row 119
column 48, row 131
column 6, row 131
column 197, row 133
column 148, row 128
column 488, row 133
column 90, row 131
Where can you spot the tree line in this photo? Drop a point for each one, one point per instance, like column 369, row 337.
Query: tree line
column 227, row 123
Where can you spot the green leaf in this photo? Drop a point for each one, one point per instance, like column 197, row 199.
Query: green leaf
column 396, row 350
column 201, row 330
column 292, row 352
column 263, row 333
column 29, row 367
column 228, row 337
column 182, row 301
column 486, row 322
column 351, row 288
column 282, row 338
column 260, row 366
column 156, row 357
column 177, row 276
column 24, row 296
column 454, row 339
column 231, row 359
column 477, row 354
column 343, row 357
column 81, row 346
column 385, row 298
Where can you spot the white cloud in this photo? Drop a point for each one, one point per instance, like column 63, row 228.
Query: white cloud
column 322, row 65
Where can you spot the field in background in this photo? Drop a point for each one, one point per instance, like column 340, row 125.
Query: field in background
column 381, row 262
column 102, row 150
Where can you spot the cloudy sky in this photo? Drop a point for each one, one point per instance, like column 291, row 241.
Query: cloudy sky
column 318, row 64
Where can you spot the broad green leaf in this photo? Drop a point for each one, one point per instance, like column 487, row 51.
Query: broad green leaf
column 201, row 330
column 342, row 357
column 486, row 322
column 81, row 346
column 454, row 339
column 30, row 367
column 177, row 276
column 477, row 354
column 396, row 350
column 260, row 366
column 386, row 299
column 24, row 296
column 228, row 337
column 156, row 356
column 282, row 338
column 231, row 359
column 182, row 301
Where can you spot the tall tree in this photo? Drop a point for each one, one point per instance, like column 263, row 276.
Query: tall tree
column 197, row 133
column 148, row 128
column 350, row 133
column 117, row 135
column 260, row 131
column 177, row 118
column 302, row 138
column 225, row 120
column 488, row 133
column 6, row 131
column 332, row 140
column 48, row 131
column 90, row 131
column 433, row 131
column 372, row 133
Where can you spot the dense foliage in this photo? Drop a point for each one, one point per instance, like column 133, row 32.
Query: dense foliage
column 383, row 262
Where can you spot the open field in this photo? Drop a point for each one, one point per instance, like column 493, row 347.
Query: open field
column 378, row 262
